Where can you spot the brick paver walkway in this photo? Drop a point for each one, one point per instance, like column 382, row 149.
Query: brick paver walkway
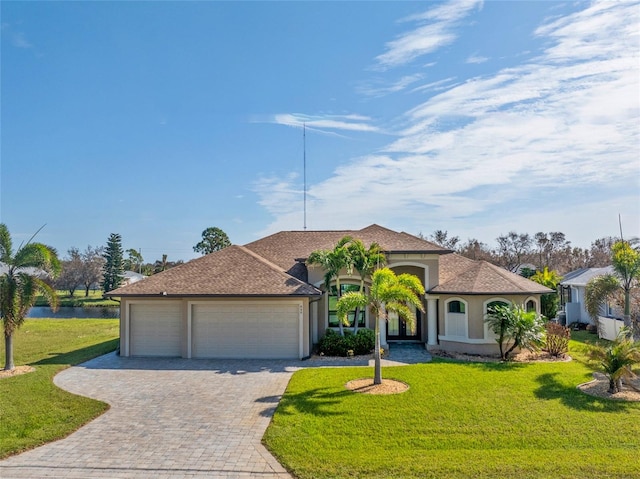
column 174, row 418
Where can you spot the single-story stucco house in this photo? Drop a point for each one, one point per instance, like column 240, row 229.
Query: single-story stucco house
column 262, row 300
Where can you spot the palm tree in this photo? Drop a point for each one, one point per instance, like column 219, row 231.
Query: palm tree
column 20, row 285
column 333, row 261
column 388, row 293
column 365, row 261
column 617, row 359
column 626, row 266
column 525, row 329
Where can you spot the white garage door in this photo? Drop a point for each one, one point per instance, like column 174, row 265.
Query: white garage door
column 250, row 330
column 155, row 329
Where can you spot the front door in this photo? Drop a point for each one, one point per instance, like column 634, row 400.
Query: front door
column 398, row 330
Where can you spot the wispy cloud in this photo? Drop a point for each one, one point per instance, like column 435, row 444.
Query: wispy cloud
column 473, row 59
column 352, row 122
column 436, row 29
column 379, row 89
column 17, row 39
column 564, row 121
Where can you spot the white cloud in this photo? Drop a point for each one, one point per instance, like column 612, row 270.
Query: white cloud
column 352, row 122
column 435, row 31
column 17, row 39
column 475, row 59
column 478, row 154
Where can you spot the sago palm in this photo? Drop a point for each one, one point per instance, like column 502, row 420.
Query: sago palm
column 617, row 359
column 20, row 285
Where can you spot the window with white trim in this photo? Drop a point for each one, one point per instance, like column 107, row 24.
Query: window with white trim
column 488, row 332
column 333, row 306
column 456, row 321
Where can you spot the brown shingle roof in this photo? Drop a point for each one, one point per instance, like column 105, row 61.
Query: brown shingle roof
column 285, row 247
column 462, row 275
column 233, row 271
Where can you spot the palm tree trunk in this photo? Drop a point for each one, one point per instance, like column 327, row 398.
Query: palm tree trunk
column 8, row 355
column 613, row 385
column 377, row 371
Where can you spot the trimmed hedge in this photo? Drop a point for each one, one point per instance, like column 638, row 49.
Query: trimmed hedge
column 332, row 344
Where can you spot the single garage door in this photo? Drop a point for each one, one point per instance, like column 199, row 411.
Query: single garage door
column 260, row 330
column 155, row 329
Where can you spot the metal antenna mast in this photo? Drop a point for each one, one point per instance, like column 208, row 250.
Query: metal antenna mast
column 304, row 170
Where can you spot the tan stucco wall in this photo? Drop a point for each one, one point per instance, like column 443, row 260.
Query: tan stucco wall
column 475, row 314
column 189, row 302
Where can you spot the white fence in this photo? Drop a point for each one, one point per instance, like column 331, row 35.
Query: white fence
column 609, row 327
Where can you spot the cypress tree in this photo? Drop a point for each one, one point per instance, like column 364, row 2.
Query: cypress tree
column 114, row 263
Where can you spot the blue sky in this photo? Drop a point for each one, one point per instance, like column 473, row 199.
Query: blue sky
column 156, row 120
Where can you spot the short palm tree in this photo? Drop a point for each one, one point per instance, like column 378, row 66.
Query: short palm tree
column 516, row 326
column 617, row 359
column 20, row 285
column 365, row 261
column 333, row 261
column 388, row 293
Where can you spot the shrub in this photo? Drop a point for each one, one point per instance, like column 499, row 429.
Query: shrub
column 332, row 344
column 557, row 341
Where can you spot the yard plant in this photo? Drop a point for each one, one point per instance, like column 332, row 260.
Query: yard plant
column 457, row 420
column 34, row 411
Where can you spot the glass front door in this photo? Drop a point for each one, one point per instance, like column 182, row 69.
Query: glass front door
column 400, row 330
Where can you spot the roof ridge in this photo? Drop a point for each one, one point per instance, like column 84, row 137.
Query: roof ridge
column 268, row 263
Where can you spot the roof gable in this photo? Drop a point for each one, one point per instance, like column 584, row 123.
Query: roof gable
column 581, row 277
column 465, row 276
column 232, row 271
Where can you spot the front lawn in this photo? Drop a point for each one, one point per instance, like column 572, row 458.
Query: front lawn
column 458, row 420
column 33, row 410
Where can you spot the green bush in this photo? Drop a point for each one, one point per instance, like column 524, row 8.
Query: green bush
column 557, row 339
column 332, row 344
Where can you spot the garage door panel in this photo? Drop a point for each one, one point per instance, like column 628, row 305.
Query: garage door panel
column 260, row 330
column 155, row 329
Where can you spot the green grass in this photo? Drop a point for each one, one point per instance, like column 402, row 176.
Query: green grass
column 457, row 420
column 94, row 299
column 33, row 410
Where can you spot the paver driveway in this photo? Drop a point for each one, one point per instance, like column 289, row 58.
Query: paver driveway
column 176, row 418
column 171, row 418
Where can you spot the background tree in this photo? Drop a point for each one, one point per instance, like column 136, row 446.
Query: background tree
column 134, row 261
column 22, row 282
column 365, row 261
column 549, row 249
column 70, row 277
column 477, row 250
column 550, row 301
column 92, row 267
column 442, row 238
column 388, row 293
column 213, row 239
column 514, row 250
column 333, row 261
column 113, row 271
column 164, row 264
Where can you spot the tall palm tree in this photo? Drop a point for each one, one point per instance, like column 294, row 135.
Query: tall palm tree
column 626, row 266
column 388, row 293
column 333, row 261
column 549, row 301
column 20, row 285
column 365, row 261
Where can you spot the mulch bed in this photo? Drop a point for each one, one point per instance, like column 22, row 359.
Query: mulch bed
column 366, row 386
column 16, row 371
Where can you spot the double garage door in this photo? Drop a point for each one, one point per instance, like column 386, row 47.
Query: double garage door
column 217, row 330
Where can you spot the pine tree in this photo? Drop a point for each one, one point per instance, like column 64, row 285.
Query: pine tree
column 114, row 263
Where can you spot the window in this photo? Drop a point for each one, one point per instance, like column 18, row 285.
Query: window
column 530, row 306
column 333, row 301
column 488, row 306
column 493, row 304
column 456, row 307
column 456, row 321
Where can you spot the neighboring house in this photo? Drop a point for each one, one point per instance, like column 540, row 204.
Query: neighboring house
column 573, row 288
column 130, row 277
column 262, row 300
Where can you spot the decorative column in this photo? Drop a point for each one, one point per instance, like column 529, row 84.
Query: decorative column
column 432, row 320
